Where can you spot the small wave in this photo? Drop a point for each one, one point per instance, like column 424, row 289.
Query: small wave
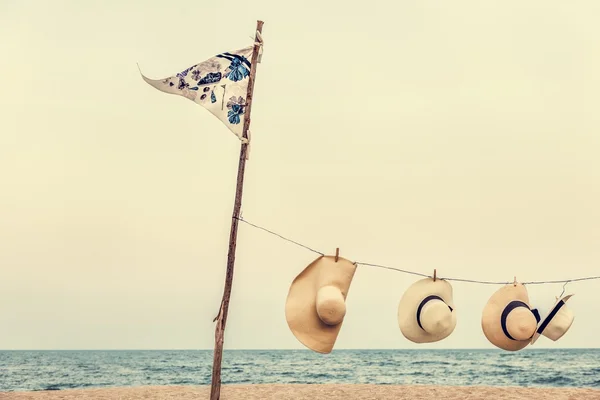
column 508, row 372
column 317, row 376
column 51, row 387
column 183, row 382
column 593, row 371
column 243, row 381
column 507, row 366
column 61, row 386
column 427, row 362
column 557, row 380
column 418, row 373
column 284, row 373
column 509, row 355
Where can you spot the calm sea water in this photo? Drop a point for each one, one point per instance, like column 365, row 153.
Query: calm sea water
column 56, row 370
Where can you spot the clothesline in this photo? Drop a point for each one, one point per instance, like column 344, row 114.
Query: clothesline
column 367, row 264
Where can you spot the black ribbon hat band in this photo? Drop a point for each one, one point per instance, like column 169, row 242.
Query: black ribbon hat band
column 511, row 306
column 550, row 316
column 423, row 302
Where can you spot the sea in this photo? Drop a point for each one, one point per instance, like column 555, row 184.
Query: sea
column 59, row 370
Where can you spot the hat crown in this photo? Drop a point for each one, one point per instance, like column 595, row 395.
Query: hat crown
column 521, row 323
column 330, row 305
column 560, row 324
column 436, row 317
column 313, row 310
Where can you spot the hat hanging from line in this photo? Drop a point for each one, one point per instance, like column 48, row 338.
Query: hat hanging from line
column 316, row 303
column 426, row 311
column 557, row 322
column 508, row 321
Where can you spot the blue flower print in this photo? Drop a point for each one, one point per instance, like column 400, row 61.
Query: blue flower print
column 182, row 84
column 213, row 98
column 234, row 114
column 211, row 77
column 205, row 90
column 236, row 108
column 184, row 73
column 237, row 70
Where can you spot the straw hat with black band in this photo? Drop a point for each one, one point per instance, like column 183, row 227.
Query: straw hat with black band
column 426, row 311
column 557, row 322
column 508, row 321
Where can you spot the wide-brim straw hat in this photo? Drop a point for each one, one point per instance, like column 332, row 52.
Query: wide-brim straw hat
column 316, row 303
column 426, row 311
column 508, row 321
column 557, row 322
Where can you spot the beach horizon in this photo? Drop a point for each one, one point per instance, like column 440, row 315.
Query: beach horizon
column 62, row 371
column 312, row 391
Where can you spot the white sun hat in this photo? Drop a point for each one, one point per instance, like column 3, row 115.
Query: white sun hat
column 316, row 303
column 426, row 311
column 508, row 321
column 557, row 322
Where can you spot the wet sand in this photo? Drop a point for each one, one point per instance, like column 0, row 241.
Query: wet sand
column 311, row 392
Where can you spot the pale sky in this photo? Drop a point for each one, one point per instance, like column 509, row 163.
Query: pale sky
column 462, row 136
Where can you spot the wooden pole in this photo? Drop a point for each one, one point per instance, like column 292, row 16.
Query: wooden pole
column 215, row 390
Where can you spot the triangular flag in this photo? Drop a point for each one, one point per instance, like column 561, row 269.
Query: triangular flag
column 219, row 84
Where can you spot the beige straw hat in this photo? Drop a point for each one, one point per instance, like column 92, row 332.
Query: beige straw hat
column 426, row 311
column 508, row 321
column 557, row 322
column 316, row 303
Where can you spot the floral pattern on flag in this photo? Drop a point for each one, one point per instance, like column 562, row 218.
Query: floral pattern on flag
column 219, row 84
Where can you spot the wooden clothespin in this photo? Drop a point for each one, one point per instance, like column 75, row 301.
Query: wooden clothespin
column 337, row 254
column 434, row 274
column 515, row 282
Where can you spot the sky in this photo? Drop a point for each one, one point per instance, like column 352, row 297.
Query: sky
column 418, row 135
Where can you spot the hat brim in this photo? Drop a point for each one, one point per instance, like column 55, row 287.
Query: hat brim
column 548, row 318
column 409, row 305
column 300, row 307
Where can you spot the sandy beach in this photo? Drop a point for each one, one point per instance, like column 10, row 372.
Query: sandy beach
column 310, row 392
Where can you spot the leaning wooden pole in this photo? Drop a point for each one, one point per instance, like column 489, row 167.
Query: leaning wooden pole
column 215, row 390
